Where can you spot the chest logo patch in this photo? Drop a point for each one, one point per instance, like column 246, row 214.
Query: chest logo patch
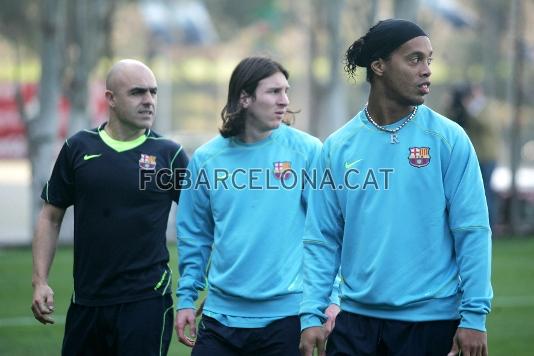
column 419, row 156
column 281, row 169
column 147, row 162
column 88, row 157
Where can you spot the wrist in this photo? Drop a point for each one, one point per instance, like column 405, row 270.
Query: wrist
column 39, row 282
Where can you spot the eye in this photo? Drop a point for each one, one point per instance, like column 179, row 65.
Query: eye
column 429, row 60
column 153, row 91
column 414, row 59
column 138, row 92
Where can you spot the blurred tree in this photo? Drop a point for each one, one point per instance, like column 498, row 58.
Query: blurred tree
column 328, row 106
column 232, row 15
column 493, row 26
column 18, row 21
column 516, row 101
column 406, row 9
column 74, row 35
column 20, row 26
column 88, row 40
column 42, row 129
column 333, row 27
column 372, row 12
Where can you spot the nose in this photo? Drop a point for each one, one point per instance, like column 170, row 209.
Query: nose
column 426, row 71
column 283, row 99
column 149, row 98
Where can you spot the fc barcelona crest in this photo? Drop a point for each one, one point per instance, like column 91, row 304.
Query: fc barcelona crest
column 147, row 162
column 282, row 169
column 419, row 156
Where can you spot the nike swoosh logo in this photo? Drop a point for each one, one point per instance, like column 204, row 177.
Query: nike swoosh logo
column 88, row 157
column 348, row 165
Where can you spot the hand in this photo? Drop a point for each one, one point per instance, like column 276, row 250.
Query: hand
column 331, row 312
column 469, row 342
column 311, row 338
column 184, row 318
column 43, row 303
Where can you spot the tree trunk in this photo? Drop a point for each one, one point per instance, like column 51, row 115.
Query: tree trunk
column 491, row 30
column 406, row 9
column 42, row 130
column 516, row 101
column 328, row 105
column 91, row 30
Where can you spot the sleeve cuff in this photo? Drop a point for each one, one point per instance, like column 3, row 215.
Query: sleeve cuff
column 185, row 303
column 473, row 321
column 309, row 320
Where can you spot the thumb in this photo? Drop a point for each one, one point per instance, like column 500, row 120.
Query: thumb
column 455, row 349
column 50, row 302
column 193, row 328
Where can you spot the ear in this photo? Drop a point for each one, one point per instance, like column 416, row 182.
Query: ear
column 378, row 66
column 110, row 98
column 244, row 99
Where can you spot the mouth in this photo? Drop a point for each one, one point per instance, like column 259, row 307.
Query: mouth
column 146, row 112
column 424, row 88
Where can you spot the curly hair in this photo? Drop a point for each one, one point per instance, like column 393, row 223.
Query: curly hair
column 379, row 42
column 355, row 56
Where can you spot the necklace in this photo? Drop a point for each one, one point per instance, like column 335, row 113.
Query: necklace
column 394, row 137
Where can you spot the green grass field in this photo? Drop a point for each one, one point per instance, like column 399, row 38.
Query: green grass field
column 510, row 325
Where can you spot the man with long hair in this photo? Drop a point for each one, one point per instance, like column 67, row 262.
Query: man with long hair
column 241, row 222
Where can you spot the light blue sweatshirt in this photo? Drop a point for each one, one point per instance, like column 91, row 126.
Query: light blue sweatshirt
column 241, row 223
column 409, row 227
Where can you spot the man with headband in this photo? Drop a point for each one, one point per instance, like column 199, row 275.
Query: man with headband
column 403, row 215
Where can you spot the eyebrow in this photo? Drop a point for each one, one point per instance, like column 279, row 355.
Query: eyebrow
column 421, row 53
column 143, row 90
column 278, row 87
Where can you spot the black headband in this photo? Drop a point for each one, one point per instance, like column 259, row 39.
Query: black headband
column 385, row 37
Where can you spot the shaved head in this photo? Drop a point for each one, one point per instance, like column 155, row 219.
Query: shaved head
column 122, row 69
column 131, row 93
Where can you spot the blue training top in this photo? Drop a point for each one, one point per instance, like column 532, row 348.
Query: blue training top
column 244, row 215
column 407, row 224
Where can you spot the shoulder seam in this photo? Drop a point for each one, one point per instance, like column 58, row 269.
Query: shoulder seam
column 204, row 162
column 302, row 154
column 90, row 131
column 356, row 131
column 434, row 133
column 175, row 155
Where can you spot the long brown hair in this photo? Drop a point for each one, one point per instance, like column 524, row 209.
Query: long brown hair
column 245, row 78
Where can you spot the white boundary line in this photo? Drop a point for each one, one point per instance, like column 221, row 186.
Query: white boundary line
column 28, row 321
column 513, row 301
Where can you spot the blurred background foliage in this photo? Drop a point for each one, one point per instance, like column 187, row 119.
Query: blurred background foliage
column 55, row 55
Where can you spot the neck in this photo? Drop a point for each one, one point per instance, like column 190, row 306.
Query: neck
column 386, row 112
column 251, row 134
column 121, row 133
